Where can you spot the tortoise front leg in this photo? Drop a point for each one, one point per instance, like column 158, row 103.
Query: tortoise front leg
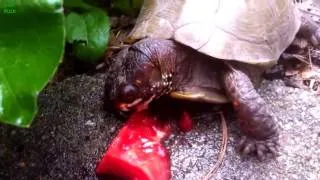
column 254, row 118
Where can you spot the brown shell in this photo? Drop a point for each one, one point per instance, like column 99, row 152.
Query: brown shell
column 252, row 31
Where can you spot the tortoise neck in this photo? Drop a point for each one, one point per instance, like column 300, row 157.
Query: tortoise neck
column 178, row 64
column 162, row 60
column 167, row 56
column 174, row 58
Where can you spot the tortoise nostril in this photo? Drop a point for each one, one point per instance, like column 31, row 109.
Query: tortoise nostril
column 128, row 93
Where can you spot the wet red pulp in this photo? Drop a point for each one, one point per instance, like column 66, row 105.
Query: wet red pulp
column 137, row 151
column 185, row 122
column 139, row 107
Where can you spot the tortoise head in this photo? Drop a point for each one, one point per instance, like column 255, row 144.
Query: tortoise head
column 137, row 76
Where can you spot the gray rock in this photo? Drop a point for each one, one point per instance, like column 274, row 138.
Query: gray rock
column 63, row 143
column 295, row 110
column 67, row 138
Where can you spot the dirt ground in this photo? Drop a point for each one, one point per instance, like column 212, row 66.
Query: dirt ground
column 72, row 130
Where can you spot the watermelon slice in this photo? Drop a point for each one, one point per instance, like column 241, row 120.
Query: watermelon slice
column 185, row 123
column 137, row 152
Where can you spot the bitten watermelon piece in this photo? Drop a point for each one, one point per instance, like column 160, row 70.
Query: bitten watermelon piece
column 185, row 122
column 137, row 152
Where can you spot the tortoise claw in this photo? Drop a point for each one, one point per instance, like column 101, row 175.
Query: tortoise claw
column 254, row 117
column 264, row 149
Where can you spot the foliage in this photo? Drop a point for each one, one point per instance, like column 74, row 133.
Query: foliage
column 31, row 47
column 87, row 30
column 33, row 35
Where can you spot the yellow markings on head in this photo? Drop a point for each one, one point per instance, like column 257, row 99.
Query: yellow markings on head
column 200, row 97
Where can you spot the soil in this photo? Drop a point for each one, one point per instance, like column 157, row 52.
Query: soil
column 71, row 132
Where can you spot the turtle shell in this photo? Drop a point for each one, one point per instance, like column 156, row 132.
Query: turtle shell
column 250, row 31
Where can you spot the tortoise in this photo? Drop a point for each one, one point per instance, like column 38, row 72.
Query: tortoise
column 209, row 51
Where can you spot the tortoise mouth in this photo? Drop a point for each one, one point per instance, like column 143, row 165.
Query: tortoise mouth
column 129, row 106
column 137, row 104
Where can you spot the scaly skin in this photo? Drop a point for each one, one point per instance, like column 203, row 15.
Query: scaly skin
column 188, row 69
column 254, row 117
column 309, row 30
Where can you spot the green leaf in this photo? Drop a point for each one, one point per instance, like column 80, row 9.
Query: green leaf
column 31, row 47
column 98, row 27
column 76, row 28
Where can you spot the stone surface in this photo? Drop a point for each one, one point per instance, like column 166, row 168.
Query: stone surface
column 296, row 111
column 72, row 131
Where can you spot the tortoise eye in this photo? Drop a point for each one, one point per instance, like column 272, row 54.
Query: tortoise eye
column 129, row 93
